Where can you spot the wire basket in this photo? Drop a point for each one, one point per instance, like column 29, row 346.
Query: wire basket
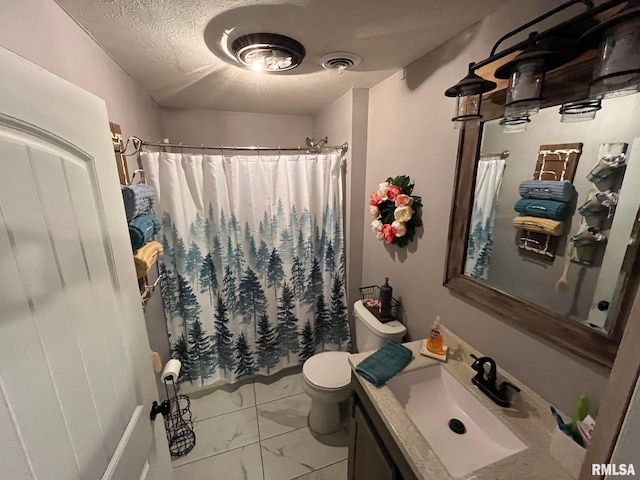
column 178, row 423
column 370, row 297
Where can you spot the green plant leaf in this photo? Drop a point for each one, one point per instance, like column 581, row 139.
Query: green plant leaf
column 401, row 241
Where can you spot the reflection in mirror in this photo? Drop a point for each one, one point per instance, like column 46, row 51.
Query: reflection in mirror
column 571, row 255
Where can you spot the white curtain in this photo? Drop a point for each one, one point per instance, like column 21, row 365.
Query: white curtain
column 488, row 181
column 253, row 271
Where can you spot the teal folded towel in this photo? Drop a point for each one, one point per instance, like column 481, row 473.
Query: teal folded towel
column 385, row 363
column 141, row 229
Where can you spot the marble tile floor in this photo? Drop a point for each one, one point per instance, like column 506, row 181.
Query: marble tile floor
column 258, row 430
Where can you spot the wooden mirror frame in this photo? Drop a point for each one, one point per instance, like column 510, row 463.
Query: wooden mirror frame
column 569, row 83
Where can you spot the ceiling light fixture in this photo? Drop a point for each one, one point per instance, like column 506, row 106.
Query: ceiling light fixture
column 268, row 52
column 618, row 72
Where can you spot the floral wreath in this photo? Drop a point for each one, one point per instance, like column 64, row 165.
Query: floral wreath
column 393, row 209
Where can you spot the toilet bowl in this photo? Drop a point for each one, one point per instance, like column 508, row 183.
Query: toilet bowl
column 326, row 379
column 327, row 375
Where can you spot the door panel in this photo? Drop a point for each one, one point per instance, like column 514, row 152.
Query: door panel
column 41, row 253
column 47, row 251
column 25, row 374
column 12, row 457
column 74, row 391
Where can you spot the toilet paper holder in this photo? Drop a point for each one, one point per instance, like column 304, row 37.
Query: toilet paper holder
column 176, row 412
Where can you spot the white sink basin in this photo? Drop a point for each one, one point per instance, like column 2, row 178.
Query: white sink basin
column 431, row 396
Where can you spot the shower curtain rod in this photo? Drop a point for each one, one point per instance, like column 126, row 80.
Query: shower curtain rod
column 312, row 147
column 495, row 156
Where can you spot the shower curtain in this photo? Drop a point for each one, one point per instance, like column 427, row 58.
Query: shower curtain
column 488, row 181
column 253, row 271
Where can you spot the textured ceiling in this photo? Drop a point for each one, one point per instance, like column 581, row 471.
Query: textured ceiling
column 175, row 48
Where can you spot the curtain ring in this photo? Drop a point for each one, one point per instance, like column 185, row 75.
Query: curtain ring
column 221, row 152
column 279, row 151
column 180, row 147
column 202, row 149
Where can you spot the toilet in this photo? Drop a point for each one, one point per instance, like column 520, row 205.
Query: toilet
column 327, row 375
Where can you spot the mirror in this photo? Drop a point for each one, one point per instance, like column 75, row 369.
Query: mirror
column 519, row 273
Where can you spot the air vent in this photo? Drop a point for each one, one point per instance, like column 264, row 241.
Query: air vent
column 340, row 61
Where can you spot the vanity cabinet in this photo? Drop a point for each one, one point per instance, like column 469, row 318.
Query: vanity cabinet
column 373, row 453
column 370, row 459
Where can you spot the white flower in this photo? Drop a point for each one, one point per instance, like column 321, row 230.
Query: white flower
column 403, row 214
column 374, row 211
column 376, row 225
column 382, row 191
column 400, row 228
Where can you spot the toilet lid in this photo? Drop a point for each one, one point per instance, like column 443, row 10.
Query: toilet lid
column 328, row 369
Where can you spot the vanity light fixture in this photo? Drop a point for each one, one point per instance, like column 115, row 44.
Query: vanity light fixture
column 268, row 52
column 468, row 93
column 515, row 124
column 526, row 77
column 618, row 73
column 581, row 111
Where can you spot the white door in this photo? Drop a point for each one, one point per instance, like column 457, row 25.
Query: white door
column 76, row 381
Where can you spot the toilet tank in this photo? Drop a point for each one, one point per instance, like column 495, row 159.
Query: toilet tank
column 371, row 333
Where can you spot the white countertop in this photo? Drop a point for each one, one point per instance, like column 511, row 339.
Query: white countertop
column 528, row 418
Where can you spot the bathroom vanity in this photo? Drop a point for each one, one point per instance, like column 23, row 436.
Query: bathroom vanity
column 386, row 443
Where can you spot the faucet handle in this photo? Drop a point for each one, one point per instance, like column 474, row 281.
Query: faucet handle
column 476, row 365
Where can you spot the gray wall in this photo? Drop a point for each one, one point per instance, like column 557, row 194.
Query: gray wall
column 234, row 128
column 345, row 120
column 524, row 276
column 410, row 133
column 42, row 32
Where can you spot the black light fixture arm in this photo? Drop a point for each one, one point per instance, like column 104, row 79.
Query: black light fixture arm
column 591, row 12
column 550, row 13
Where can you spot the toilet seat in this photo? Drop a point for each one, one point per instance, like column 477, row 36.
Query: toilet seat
column 328, row 370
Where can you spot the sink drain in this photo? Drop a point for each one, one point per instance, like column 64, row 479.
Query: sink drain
column 457, row 426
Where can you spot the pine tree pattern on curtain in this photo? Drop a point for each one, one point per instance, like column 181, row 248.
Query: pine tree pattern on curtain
column 250, row 292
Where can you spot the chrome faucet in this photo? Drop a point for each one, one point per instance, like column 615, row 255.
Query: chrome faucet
column 486, row 381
